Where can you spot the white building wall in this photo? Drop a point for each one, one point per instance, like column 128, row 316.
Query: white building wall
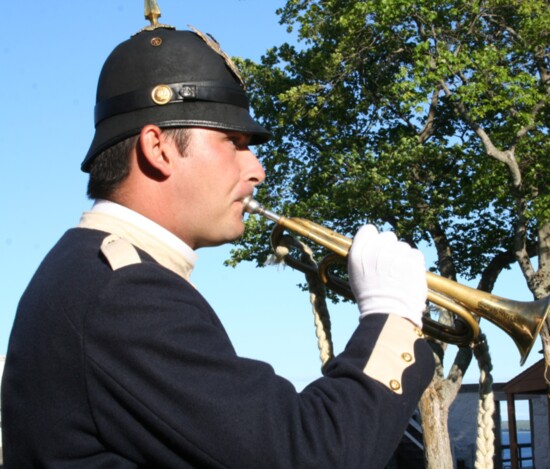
column 463, row 428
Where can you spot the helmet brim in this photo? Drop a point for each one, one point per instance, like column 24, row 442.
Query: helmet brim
column 218, row 116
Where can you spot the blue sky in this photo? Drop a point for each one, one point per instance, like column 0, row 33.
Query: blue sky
column 51, row 54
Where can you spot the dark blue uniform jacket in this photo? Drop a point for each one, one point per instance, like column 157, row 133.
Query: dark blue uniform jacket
column 131, row 368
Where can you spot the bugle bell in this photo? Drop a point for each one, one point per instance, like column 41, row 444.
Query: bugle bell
column 521, row 320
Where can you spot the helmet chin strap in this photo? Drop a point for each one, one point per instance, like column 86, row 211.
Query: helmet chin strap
column 160, row 95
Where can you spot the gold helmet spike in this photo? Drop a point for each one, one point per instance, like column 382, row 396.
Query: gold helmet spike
column 152, row 13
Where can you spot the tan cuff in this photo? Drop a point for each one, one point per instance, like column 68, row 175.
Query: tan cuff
column 393, row 352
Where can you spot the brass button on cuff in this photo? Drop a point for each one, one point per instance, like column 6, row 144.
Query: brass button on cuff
column 395, row 385
column 393, row 353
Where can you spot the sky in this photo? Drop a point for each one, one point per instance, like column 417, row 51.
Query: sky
column 51, row 54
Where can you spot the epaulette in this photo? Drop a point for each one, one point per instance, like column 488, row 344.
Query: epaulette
column 119, row 252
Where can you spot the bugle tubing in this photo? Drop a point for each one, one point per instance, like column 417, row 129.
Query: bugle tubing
column 521, row 320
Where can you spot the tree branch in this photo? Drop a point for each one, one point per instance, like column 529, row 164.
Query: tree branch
column 498, row 263
column 521, row 251
column 427, row 131
column 504, row 156
column 538, row 107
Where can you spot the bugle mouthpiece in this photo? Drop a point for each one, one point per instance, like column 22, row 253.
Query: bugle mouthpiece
column 251, row 205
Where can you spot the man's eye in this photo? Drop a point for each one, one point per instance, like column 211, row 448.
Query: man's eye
column 239, row 141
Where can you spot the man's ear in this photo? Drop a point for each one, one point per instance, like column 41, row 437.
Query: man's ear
column 154, row 152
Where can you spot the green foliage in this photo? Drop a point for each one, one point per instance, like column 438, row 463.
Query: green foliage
column 376, row 115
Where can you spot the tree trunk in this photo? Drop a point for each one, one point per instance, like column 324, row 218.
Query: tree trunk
column 435, row 412
column 435, row 404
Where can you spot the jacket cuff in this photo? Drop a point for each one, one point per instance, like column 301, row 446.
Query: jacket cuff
column 393, row 352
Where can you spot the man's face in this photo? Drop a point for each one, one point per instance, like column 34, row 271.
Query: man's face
column 216, row 173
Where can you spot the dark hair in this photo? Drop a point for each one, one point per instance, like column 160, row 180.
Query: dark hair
column 110, row 167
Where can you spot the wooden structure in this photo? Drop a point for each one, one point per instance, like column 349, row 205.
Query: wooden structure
column 528, row 383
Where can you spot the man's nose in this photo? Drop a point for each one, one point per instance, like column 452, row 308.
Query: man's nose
column 254, row 170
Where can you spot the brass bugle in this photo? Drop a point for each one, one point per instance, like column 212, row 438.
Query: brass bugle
column 521, row 320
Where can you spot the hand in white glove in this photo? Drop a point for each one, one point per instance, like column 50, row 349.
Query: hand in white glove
column 387, row 275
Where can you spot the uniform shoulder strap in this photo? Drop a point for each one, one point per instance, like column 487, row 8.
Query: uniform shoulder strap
column 119, row 252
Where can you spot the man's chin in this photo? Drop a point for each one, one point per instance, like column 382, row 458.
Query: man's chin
column 228, row 237
column 236, row 235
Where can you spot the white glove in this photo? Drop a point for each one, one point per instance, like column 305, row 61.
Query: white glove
column 387, row 275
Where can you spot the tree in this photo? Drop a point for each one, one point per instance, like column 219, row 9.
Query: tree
column 431, row 117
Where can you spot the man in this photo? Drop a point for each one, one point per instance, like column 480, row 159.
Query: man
column 115, row 360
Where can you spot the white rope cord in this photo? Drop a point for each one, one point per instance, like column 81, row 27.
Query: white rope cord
column 485, row 442
column 317, row 295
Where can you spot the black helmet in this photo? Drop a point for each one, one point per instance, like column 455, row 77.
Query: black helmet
column 172, row 79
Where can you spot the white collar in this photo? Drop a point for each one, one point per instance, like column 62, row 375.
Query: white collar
column 146, row 224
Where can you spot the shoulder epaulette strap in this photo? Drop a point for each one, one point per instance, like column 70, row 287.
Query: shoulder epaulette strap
column 119, row 252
